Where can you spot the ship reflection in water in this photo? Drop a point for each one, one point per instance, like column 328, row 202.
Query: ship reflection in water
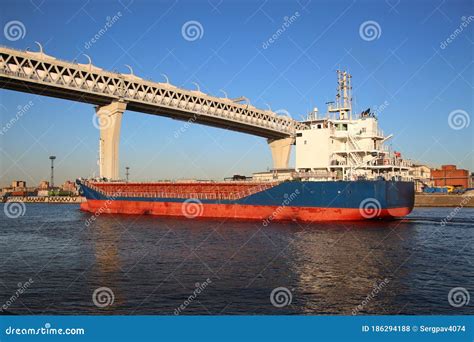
column 339, row 267
column 150, row 265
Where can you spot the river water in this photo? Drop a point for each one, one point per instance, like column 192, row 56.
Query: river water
column 53, row 262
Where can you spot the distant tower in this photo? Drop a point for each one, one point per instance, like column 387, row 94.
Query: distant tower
column 52, row 170
column 127, row 173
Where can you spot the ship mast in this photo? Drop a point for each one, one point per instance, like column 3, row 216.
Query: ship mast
column 343, row 96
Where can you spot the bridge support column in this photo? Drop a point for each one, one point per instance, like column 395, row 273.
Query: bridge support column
column 281, row 149
column 109, row 122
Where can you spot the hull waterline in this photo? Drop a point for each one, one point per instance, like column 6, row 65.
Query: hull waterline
column 240, row 212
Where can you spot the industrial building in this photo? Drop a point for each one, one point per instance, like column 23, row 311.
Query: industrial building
column 450, row 175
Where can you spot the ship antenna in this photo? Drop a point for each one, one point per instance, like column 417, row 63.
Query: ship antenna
column 343, row 95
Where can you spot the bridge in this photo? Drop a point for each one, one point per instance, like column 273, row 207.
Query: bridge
column 112, row 93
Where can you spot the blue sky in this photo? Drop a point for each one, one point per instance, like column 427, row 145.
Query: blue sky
column 403, row 70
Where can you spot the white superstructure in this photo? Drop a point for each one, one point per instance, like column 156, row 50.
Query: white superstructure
column 342, row 147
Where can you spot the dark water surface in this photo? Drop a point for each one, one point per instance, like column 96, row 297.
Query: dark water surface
column 154, row 265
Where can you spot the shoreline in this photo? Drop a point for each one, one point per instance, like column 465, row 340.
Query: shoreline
column 443, row 201
column 46, row 199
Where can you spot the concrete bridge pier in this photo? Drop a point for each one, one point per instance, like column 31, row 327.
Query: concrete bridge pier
column 281, row 149
column 109, row 120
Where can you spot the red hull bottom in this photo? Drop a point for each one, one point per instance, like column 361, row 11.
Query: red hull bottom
column 238, row 211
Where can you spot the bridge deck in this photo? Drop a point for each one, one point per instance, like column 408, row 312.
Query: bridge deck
column 41, row 74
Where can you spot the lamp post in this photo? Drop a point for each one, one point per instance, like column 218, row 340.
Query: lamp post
column 52, row 171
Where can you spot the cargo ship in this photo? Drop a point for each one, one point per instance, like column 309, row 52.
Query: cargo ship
column 267, row 201
column 343, row 171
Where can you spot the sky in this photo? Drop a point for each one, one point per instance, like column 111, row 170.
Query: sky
column 412, row 61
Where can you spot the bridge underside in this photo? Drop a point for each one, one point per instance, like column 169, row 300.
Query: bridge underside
column 97, row 100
